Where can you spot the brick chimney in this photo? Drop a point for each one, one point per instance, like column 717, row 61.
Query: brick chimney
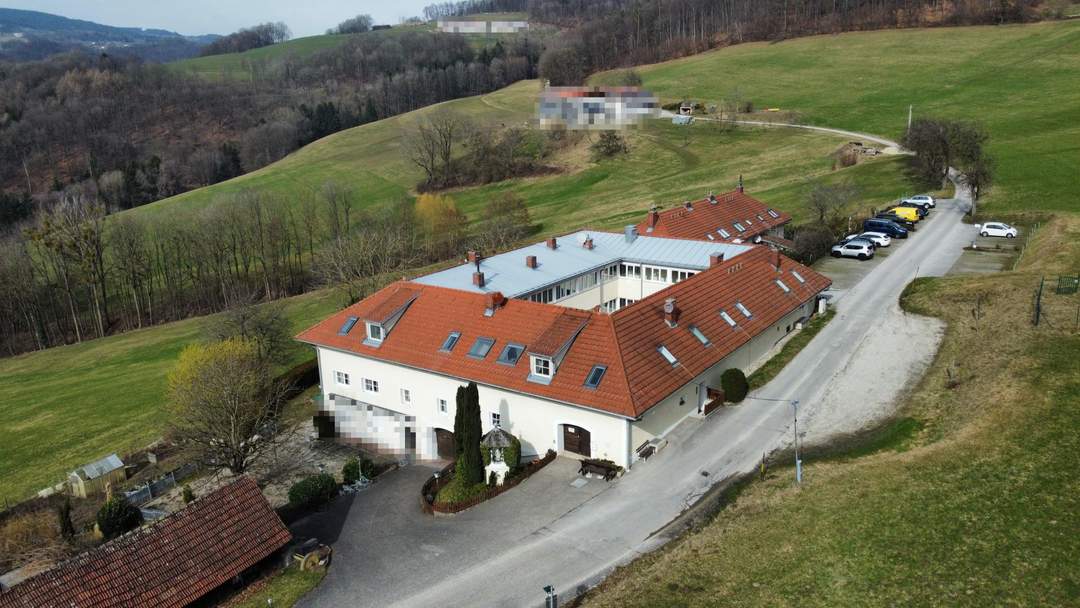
column 688, row 205
column 654, row 217
column 495, row 299
column 588, row 244
column 671, row 312
column 715, row 259
column 530, row 261
column 777, row 259
column 474, row 257
column 552, row 243
column 712, row 198
column 478, row 279
column 741, row 189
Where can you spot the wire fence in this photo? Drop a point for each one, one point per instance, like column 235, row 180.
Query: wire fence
column 1056, row 304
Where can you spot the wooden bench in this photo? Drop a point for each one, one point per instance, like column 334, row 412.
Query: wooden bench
column 597, row 467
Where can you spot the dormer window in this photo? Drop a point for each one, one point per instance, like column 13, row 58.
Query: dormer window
column 541, row 366
column 375, row 334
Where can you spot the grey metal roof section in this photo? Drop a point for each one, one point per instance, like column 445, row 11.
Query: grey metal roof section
column 507, row 272
column 101, row 467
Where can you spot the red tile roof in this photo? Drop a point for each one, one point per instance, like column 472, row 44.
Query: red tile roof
column 626, row 341
column 391, row 305
column 707, row 217
column 167, row 564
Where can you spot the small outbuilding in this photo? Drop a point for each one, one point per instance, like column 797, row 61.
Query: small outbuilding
column 495, row 441
column 91, row 479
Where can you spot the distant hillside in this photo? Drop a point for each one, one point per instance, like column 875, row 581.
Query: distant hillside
column 28, row 35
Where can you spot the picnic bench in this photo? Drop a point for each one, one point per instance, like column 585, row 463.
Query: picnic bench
column 604, row 468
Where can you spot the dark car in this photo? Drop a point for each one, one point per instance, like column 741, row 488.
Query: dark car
column 892, row 217
column 922, row 211
column 889, row 227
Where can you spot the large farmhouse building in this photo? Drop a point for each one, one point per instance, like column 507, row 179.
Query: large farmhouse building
column 731, row 217
column 593, row 344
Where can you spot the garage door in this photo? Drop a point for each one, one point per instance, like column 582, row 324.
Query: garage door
column 444, row 440
column 576, row 440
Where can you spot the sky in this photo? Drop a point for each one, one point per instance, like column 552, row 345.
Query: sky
column 192, row 17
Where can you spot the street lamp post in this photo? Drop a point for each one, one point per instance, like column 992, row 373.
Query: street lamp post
column 798, row 462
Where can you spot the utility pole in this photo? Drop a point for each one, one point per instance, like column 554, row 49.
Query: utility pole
column 909, row 108
column 798, row 462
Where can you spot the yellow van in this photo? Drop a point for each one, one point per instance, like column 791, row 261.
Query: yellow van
column 908, row 213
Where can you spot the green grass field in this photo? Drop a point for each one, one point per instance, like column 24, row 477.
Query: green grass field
column 1021, row 81
column 970, row 499
column 70, row 405
column 247, row 65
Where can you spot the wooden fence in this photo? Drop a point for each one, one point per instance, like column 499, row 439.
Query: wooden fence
column 432, row 486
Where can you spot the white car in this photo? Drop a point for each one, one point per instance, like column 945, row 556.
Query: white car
column 997, row 229
column 922, row 200
column 879, row 239
column 858, row 248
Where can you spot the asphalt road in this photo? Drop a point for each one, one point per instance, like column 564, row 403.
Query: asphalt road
column 508, row 561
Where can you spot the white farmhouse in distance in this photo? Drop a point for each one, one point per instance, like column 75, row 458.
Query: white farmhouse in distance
column 592, row 344
column 479, row 26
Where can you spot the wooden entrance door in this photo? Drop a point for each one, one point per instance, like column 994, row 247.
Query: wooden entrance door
column 444, row 441
column 576, row 440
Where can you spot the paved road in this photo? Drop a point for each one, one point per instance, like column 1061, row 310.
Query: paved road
column 528, row 545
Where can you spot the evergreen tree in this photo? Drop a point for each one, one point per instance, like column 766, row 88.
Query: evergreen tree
column 63, row 513
column 470, row 464
column 459, row 422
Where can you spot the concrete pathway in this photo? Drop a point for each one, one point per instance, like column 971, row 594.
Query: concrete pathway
column 503, row 553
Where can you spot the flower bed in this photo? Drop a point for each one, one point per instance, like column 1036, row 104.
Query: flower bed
column 430, row 490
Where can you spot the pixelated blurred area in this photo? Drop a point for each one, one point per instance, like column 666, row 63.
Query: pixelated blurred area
column 373, row 428
column 595, row 108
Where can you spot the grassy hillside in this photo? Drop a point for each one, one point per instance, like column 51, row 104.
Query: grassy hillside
column 971, row 499
column 70, row 405
column 1021, row 81
column 240, row 65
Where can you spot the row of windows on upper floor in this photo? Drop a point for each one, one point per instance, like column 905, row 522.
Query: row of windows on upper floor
column 372, row 386
column 580, row 283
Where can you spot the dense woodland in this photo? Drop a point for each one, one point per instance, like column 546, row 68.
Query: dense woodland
column 249, row 38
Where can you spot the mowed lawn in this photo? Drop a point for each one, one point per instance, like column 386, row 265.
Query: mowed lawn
column 970, row 499
column 71, row 405
column 241, row 65
column 1021, row 81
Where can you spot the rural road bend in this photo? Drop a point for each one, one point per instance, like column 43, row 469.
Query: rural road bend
column 506, row 560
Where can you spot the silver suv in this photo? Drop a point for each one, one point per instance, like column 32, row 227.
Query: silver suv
column 855, row 248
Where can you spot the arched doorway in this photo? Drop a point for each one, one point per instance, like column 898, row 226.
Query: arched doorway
column 446, row 447
column 577, row 440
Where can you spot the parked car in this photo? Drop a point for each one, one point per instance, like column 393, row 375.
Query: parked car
column 892, row 217
column 908, row 213
column 855, row 237
column 922, row 211
column 879, row 239
column 888, row 227
column 998, row 229
column 855, row 248
column 924, row 200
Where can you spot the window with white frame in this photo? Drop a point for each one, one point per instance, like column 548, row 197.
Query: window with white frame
column 656, row 274
column 406, row 396
column 371, row 386
column 341, row 378
column 678, row 276
column 374, row 332
column 541, row 366
column 444, row 406
column 496, row 418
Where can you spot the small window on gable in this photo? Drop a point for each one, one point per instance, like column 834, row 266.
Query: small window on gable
column 510, row 354
column 374, row 332
column 451, row 341
column 781, row 285
column 773, row 213
column 481, row 348
column 347, row 326
column 596, row 374
column 744, row 310
column 727, row 318
column 666, row 354
column 798, row 277
column 739, row 227
column 724, row 233
column 700, row 336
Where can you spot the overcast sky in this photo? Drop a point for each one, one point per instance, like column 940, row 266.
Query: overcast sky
column 304, row 17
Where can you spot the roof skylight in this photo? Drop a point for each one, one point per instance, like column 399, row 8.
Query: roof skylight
column 739, row 227
column 724, row 233
column 783, row 286
column 596, row 374
column 744, row 310
column 347, row 326
column 666, row 354
column 710, row 236
column 798, row 277
column 481, row 347
column 773, row 213
column 727, row 318
column 510, row 354
column 451, row 341
column 700, row 336
column 749, row 222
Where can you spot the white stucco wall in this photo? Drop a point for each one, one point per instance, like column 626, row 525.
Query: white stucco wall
column 535, row 421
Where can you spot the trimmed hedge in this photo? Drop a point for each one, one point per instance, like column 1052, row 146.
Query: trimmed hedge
column 735, row 386
column 313, row 492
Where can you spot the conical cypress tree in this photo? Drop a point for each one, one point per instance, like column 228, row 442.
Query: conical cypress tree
column 470, row 469
column 459, row 422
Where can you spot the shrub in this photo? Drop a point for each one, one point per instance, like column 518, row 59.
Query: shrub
column 118, row 516
column 367, row 468
column 456, row 491
column 350, row 472
column 313, row 492
column 735, row 386
column 63, row 514
column 608, row 145
column 188, row 494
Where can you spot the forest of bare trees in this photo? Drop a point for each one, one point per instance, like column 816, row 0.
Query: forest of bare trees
column 249, row 38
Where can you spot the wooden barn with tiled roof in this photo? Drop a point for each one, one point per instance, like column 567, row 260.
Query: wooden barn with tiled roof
column 167, row 564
